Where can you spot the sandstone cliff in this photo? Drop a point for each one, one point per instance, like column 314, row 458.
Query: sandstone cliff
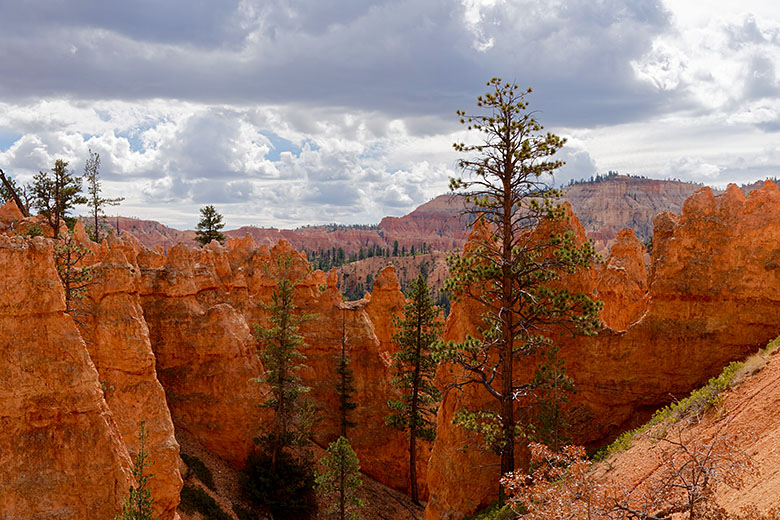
column 204, row 349
column 711, row 300
column 622, row 284
column 200, row 303
column 117, row 339
column 61, row 451
column 621, row 201
column 604, row 207
column 179, row 322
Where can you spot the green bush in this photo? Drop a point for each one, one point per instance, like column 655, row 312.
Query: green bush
column 33, row 231
column 288, row 493
column 493, row 512
column 195, row 499
column 200, row 470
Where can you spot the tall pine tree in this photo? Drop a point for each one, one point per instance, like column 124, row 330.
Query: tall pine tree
column 415, row 367
column 280, row 352
column 280, row 477
column 345, row 384
column 514, row 271
column 95, row 201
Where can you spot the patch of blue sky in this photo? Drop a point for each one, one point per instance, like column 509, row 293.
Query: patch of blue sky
column 133, row 137
column 312, row 145
column 279, row 145
column 374, row 151
column 7, row 138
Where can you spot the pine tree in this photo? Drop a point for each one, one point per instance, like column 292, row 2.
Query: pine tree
column 345, row 384
column 338, row 483
column 9, row 190
column 138, row 503
column 75, row 277
column 280, row 353
column 513, row 272
column 415, row 367
column 209, row 226
column 280, row 477
column 56, row 194
column 95, row 201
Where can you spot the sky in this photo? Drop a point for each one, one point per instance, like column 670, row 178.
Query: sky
column 292, row 112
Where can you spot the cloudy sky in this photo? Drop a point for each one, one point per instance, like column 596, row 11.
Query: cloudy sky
column 291, row 112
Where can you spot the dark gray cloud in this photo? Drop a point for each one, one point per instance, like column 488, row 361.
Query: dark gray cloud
column 196, row 23
column 403, row 57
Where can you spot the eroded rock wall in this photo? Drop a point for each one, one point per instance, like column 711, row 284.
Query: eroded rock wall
column 204, row 349
column 201, row 306
column 117, row 338
column 713, row 297
column 61, row 451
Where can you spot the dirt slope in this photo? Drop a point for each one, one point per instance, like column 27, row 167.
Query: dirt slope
column 750, row 411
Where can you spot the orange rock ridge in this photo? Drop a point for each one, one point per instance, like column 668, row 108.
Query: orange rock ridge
column 712, row 299
column 117, row 338
column 61, row 451
column 186, row 316
column 199, row 304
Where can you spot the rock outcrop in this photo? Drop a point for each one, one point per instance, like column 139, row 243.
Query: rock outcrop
column 712, row 299
column 117, row 339
column 204, row 349
column 621, row 201
column 168, row 340
column 61, row 451
column 200, row 305
column 622, row 284
column 604, row 207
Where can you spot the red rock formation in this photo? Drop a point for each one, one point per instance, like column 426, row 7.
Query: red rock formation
column 604, row 207
column 12, row 222
column 712, row 299
column 618, row 202
column 192, row 299
column 150, row 233
column 10, row 212
column 61, row 452
column 623, row 282
column 117, row 338
column 407, row 268
column 205, row 352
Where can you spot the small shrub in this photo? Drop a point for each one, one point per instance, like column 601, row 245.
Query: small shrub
column 200, row 470
column 33, row 231
column 493, row 512
column 195, row 499
column 288, row 493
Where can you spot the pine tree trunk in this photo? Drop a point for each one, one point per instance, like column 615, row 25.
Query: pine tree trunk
column 413, row 417
column 506, row 317
column 96, row 233
column 343, row 395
